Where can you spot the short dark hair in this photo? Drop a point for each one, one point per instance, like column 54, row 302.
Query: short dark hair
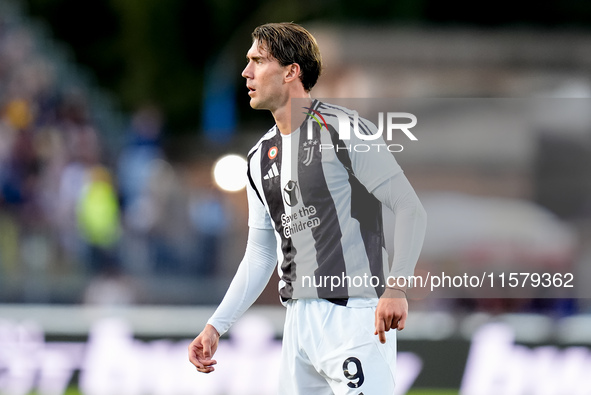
column 290, row 43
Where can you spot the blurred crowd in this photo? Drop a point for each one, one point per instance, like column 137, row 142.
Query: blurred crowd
column 78, row 212
column 94, row 211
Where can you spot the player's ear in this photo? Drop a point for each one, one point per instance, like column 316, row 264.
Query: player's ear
column 292, row 72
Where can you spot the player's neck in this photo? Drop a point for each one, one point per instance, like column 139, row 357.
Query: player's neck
column 285, row 120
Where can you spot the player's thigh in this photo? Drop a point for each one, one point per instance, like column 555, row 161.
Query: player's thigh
column 298, row 375
column 354, row 360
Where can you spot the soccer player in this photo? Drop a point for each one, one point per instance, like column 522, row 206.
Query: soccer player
column 315, row 207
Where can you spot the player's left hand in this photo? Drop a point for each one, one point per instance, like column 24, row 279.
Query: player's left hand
column 391, row 312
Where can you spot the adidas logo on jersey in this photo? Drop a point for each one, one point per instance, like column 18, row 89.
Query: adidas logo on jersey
column 273, row 172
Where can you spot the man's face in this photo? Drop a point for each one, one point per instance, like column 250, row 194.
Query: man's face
column 264, row 79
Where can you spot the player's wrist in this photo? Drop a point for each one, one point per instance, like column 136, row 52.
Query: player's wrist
column 401, row 291
column 212, row 328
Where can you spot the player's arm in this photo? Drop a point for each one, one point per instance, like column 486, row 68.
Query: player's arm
column 409, row 231
column 410, row 223
column 379, row 172
column 381, row 175
column 251, row 278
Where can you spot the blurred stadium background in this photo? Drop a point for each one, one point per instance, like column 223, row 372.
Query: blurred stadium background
column 116, row 243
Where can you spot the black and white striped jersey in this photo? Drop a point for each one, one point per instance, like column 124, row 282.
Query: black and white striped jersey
column 314, row 189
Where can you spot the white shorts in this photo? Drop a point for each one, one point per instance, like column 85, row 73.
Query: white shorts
column 332, row 349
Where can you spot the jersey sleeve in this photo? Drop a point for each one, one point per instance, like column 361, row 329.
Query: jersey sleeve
column 410, row 223
column 258, row 216
column 252, row 276
column 371, row 161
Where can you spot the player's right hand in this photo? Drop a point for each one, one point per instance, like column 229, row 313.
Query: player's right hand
column 202, row 349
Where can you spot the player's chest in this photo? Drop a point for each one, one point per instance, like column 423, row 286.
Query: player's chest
column 291, row 166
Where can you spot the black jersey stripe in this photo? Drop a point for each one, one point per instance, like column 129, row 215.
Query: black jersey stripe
column 249, row 175
column 367, row 210
column 328, row 237
column 273, row 195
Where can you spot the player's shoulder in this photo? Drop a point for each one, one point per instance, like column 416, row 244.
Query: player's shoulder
column 332, row 108
column 267, row 136
column 332, row 113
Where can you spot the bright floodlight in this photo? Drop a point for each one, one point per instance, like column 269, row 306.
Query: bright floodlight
column 229, row 173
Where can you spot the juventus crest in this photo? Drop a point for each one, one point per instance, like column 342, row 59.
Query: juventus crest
column 309, row 147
